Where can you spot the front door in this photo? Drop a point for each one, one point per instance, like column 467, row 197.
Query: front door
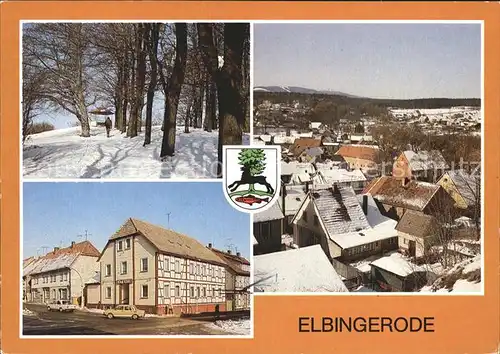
column 412, row 248
column 124, row 294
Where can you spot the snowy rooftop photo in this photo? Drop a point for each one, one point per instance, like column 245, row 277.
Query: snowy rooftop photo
column 300, row 270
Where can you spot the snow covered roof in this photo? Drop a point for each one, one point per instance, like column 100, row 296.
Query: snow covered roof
column 50, row 264
column 467, row 185
column 339, row 210
column 301, row 144
column 414, row 195
column 315, row 125
column 61, row 258
column 305, row 269
column 425, row 160
column 397, row 264
column 295, row 196
column 341, row 175
column 272, row 213
column 296, row 167
column 314, row 151
column 95, row 278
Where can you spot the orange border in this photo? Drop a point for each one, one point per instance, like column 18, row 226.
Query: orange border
column 463, row 324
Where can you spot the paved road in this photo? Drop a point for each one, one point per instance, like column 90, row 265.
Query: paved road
column 45, row 322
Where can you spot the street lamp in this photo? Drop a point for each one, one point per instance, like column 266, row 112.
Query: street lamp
column 82, row 284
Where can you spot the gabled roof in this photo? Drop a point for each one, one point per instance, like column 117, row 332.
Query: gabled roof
column 363, row 152
column 274, row 212
column 305, row 269
column 301, row 144
column 341, row 175
column 415, row 195
column 61, row 258
column 338, row 210
column 425, row 160
column 467, row 185
column 167, row 241
column 233, row 261
column 289, row 168
column 417, row 224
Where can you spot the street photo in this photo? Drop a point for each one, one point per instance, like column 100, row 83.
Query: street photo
column 147, row 259
column 380, row 126
column 133, row 100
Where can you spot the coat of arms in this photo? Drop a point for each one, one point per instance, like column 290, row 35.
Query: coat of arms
column 251, row 176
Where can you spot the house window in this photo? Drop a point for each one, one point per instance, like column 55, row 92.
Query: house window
column 144, row 292
column 60, row 277
column 204, row 270
column 316, row 221
column 53, row 293
column 204, row 292
column 177, row 291
column 64, row 294
column 192, row 291
column 304, row 216
column 198, row 292
column 120, row 245
column 197, row 269
column 108, row 292
column 405, row 241
column 108, row 270
column 144, row 264
column 166, row 290
column 127, row 243
column 191, row 268
column 124, row 268
column 177, row 266
column 65, row 276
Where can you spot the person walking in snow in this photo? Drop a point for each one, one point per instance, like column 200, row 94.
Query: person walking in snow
column 108, row 125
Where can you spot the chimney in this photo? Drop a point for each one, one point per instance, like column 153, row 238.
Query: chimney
column 365, row 204
column 209, row 245
column 72, row 244
column 228, row 251
column 238, row 254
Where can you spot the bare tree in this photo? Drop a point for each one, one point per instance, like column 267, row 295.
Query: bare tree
column 153, row 31
column 172, row 89
column 228, row 79
column 63, row 51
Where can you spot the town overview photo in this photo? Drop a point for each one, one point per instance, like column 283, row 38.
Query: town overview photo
column 380, row 128
column 133, row 100
column 134, row 259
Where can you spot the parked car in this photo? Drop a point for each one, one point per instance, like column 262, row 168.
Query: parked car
column 127, row 311
column 61, row 306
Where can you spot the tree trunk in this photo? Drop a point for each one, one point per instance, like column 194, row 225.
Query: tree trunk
column 132, row 121
column 187, row 118
column 126, row 93
column 153, row 51
column 173, row 92
column 119, row 97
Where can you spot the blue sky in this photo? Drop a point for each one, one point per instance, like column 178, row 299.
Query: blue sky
column 56, row 213
column 372, row 60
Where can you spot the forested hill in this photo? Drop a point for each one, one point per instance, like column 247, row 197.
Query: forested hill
column 312, row 99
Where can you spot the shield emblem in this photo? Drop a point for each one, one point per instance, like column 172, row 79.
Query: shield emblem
column 251, row 176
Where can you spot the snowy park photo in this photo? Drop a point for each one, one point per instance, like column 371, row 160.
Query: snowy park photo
column 133, row 100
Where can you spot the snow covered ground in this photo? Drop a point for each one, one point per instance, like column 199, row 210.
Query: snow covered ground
column 464, row 277
column 240, row 327
column 62, row 153
column 27, row 312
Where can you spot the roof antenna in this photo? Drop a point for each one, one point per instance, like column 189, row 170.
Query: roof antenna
column 86, row 235
column 168, row 219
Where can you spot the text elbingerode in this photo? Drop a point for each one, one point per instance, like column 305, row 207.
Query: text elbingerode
column 366, row 324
